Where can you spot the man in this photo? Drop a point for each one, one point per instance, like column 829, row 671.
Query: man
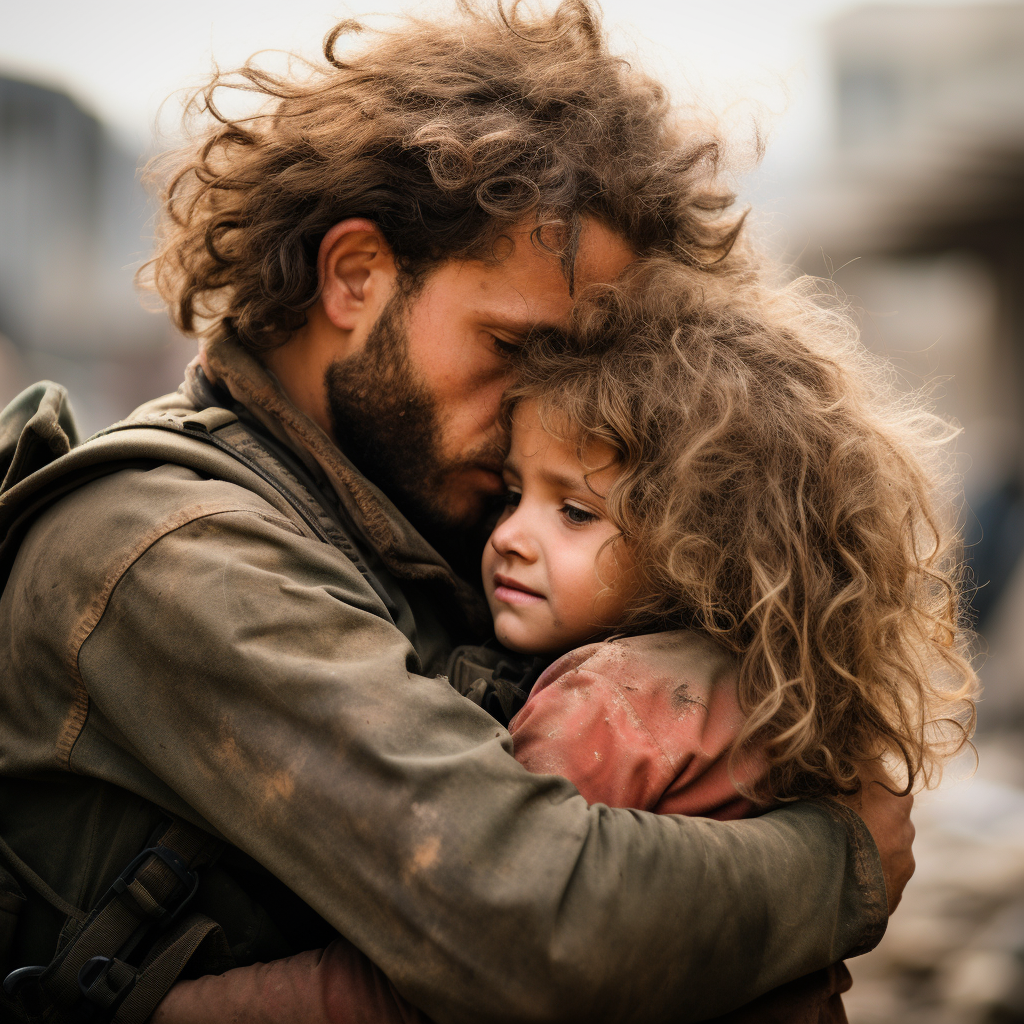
column 246, row 633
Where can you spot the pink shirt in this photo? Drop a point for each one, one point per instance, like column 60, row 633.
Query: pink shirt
column 646, row 722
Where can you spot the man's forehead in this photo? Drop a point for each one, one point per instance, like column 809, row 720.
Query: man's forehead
column 528, row 288
column 602, row 255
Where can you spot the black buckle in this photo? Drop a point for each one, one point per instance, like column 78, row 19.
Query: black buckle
column 17, row 978
column 189, row 879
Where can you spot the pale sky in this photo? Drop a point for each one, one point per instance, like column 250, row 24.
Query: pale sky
column 121, row 58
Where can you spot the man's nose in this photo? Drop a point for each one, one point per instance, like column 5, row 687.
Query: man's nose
column 512, row 537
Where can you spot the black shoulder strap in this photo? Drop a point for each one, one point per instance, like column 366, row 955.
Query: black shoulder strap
column 499, row 681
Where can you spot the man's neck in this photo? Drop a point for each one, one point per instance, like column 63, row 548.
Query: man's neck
column 300, row 367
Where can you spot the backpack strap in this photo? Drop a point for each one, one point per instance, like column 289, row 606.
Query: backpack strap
column 120, row 962
column 121, row 959
column 499, row 681
column 212, row 441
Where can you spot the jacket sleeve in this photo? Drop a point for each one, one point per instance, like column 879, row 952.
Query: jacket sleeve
column 243, row 666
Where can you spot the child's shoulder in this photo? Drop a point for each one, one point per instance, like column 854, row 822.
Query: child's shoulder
column 683, row 666
column 645, row 721
column 680, row 687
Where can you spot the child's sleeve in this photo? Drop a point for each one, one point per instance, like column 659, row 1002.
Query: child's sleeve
column 336, row 985
column 646, row 722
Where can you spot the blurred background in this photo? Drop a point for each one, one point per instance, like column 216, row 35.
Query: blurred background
column 895, row 168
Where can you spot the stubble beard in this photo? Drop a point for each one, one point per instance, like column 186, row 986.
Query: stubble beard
column 387, row 422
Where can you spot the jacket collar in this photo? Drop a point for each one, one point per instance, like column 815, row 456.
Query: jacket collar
column 400, row 545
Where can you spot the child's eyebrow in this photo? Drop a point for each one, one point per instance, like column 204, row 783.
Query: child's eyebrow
column 570, row 483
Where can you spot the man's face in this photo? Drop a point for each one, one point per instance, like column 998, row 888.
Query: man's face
column 416, row 407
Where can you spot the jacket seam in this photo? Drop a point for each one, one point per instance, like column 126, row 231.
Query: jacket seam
column 79, row 713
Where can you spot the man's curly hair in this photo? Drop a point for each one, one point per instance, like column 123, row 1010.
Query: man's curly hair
column 444, row 135
column 779, row 495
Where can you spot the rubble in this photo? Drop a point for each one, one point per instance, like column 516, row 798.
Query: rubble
column 954, row 951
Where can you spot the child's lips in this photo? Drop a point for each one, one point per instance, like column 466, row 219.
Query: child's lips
column 513, row 592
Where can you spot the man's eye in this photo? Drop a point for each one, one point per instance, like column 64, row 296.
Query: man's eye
column 578, row 516
column 506, row 349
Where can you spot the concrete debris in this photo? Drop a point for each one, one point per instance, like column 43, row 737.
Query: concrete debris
column 954, row 951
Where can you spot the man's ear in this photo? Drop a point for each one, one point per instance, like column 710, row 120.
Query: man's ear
column 356, row 271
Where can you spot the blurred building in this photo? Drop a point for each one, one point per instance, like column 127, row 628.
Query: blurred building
column 72, row 222
column 929, row 148
column 919, row 218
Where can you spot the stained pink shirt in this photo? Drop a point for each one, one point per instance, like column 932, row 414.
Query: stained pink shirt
column 644, row 722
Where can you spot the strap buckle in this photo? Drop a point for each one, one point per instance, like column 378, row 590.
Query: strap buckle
column 189, row 879
column 17, row 978
column 103, row 987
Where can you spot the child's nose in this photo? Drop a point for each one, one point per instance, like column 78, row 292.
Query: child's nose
column 510, row 537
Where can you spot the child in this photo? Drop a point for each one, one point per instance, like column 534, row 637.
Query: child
column 723, row 531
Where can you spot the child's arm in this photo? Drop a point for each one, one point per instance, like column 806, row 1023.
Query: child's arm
column 646, row 722
column 336, row 985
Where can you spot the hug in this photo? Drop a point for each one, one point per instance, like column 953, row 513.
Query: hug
column 494, row 399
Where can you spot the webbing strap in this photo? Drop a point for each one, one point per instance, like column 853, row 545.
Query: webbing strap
column 149, row 893
column 27, row 875
column 162, row 967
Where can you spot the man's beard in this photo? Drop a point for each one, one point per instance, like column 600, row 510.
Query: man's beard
column 387, row 422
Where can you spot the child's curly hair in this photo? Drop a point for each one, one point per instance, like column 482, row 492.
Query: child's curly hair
column 778, row 495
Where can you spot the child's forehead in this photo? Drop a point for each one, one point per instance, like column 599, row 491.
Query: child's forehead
column 539, row 431
column 544, row 438
column 532, row 415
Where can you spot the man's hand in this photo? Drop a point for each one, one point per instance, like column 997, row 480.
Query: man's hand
column 888, row 820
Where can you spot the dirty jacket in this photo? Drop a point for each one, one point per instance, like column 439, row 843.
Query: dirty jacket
column 170, row 641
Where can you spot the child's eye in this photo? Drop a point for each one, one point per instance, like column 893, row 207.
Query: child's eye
column 578, row 516
column 512, row 498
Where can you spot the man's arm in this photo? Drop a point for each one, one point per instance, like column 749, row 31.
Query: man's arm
column 241, row 665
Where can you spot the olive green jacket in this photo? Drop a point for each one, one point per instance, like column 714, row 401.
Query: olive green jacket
column 171, row 638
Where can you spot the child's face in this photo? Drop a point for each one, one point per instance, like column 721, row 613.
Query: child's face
column 552, row 579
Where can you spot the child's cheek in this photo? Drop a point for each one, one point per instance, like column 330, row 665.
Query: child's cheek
column 573, row 599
